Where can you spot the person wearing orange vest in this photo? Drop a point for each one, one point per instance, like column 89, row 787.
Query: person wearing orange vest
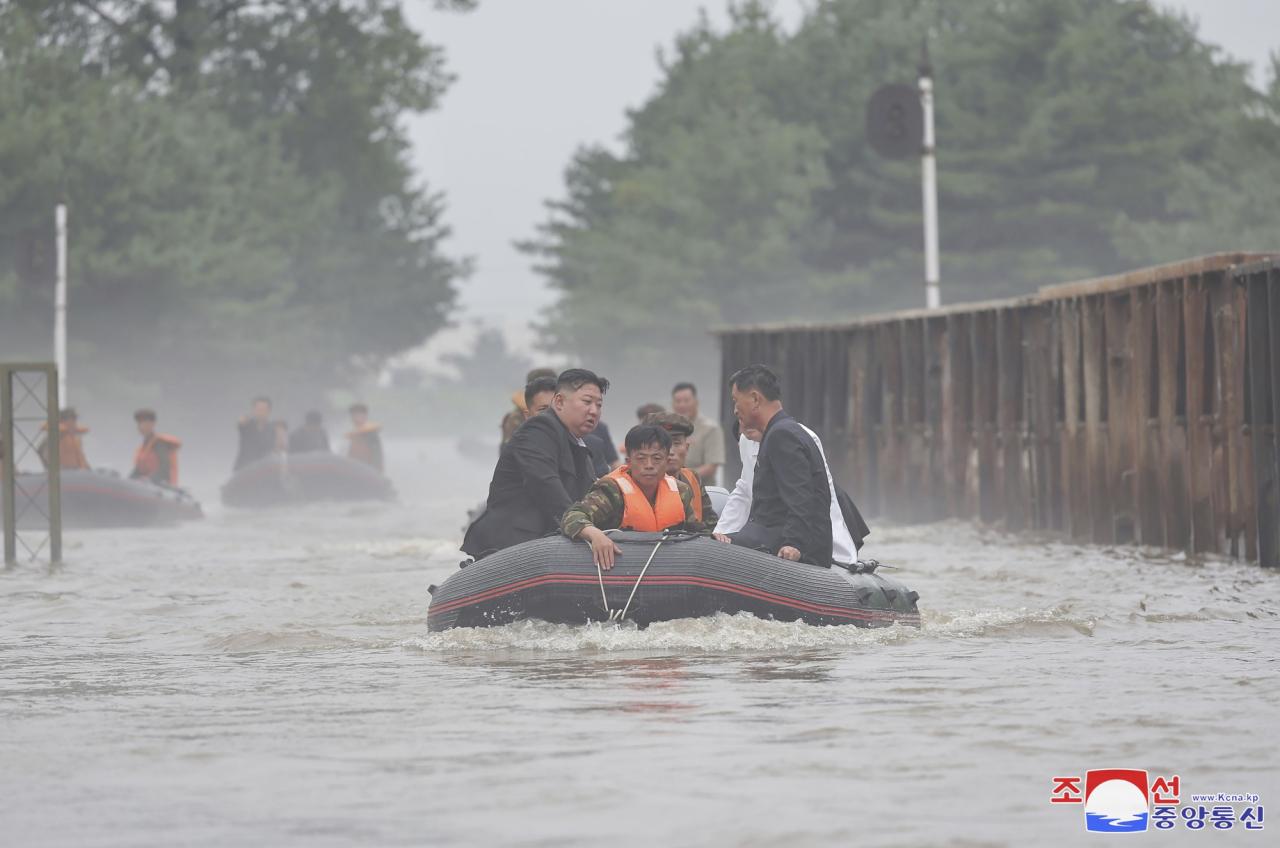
column 681, row 429
column 157, row 457
column 366, row 443
column 70, row 447
column 640, row 496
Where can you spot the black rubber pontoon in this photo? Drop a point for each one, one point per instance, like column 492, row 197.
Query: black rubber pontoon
column 101, row 498
column 303, row 477
column 555, row 580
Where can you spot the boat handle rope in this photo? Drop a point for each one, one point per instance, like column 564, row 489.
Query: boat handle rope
column 643, row 571
column 619, row 615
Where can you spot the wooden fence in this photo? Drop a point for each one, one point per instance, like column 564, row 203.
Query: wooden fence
column 1140, row 408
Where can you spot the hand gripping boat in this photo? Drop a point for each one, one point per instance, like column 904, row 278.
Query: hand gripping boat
column 101, row 498
column 659, row 578
column 303, row 477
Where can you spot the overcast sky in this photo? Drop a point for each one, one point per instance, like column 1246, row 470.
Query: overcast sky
column 536, row 79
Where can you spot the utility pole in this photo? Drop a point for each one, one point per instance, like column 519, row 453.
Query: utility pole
column 60, row 305
column 929, row 183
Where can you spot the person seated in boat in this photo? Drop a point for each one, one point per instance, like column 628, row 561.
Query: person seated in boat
column 640, row 495
column 157, row 457
column 520, row 411
column 70, row 444
column 365, row 438
column 791, row 497
column 311, row 436
column 538, row 395
column 257, row 433
column 644, row 410
column 848, row 529
column 280, row 440
column 542, row 470
column 680, row 429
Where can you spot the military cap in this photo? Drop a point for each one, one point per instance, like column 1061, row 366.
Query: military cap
column 671, row 422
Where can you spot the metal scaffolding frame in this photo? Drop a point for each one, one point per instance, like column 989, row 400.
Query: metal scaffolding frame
column 28, row 416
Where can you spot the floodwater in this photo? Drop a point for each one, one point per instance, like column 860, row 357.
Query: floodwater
column 269, row 680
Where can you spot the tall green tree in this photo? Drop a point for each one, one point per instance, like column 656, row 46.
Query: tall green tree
column 239, row 183
column 1076, row 137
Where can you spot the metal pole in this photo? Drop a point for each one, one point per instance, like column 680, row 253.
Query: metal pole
column 60, row 307
column 929, row 181
column 8, row 474
column 53, row 385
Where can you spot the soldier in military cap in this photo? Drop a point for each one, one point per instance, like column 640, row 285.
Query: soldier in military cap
column 640, row 496
column 681, row 430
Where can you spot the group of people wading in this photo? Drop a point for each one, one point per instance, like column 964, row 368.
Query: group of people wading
column 550, row 479
column 156, row 458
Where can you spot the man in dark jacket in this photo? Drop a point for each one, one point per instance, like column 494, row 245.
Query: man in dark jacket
column 311, row 436
column 791, row 498
column 257, row 434
column 543, row 469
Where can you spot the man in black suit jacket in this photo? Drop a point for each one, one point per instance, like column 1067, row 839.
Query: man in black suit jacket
column 542, row 470
column 791, row 497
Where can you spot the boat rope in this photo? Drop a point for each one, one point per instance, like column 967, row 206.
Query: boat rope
column 652, row 554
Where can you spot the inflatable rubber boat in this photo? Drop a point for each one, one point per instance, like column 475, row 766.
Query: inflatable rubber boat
column 303, row 477
column 102, row 498
column 659, row 578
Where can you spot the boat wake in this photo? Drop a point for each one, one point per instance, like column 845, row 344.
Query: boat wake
column 741, row 632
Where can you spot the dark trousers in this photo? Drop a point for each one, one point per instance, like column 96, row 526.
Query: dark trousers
column 758, row 537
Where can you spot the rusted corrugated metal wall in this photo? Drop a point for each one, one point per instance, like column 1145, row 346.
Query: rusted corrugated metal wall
column 1133, row 409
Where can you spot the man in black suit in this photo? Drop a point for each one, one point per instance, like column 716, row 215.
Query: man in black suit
column 791, row 496
column 543, row 469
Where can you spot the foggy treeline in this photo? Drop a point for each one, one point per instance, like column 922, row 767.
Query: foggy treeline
column 245, row 217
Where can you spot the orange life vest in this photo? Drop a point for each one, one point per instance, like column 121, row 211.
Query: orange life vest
column 691, row 477
column 70, row 448
column 146, row 462
column 638, row 514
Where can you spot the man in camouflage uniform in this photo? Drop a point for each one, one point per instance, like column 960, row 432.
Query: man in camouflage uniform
column 681, row 430
column 606, row 505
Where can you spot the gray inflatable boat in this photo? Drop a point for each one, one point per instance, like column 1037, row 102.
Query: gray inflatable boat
column 659, row 578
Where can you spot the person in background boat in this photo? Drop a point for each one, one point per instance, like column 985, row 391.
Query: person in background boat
column 640, row 495
column 70, row 444
column 848, row 530
column 520, row 413
column 680, row 429
column 791, row 498
column 280, row 436
column 538, row 395
column 644, row 410
column 366, row 441
column 257, row 433
column 157, row 457
column 706, row 447
column 543, row 470
column 311, row 437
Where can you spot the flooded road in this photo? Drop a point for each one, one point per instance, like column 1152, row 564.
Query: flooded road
column 269, row 680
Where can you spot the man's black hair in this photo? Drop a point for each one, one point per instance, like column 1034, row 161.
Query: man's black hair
column 757, row 377
column 358, row 407
column 537, row 386
column 643, row 435
column 261, row 399
column 313, row 418
column 680, row 387
column 144, row 415
column 67, row 413
column 576, row 378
